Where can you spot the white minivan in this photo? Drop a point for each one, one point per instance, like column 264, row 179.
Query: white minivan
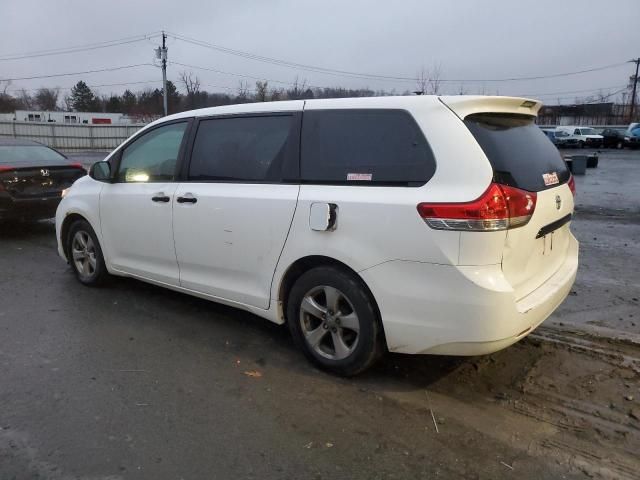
column 421, row 225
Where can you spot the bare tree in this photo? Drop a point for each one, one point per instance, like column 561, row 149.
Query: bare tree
column 68, row 102
column 191, row 83
column 422, row 81
column 243, row 91
column 297, row 90
column 25, row 99
column 47, row 98
column 262, row 89
column 435, row 79
column 429, row 81
column 277, row 94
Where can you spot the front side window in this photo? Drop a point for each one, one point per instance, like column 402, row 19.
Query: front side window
column 153, row 156
column 364, row 147
column 249, row 149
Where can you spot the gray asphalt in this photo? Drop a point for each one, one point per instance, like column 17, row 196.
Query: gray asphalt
column 134, row 381
column 606, row 295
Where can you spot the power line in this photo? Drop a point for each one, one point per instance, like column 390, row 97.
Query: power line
column 373, row 76
column 569, row 91
column 109, row 69
column 208, row 69
column 90, row 86
column 77, row 48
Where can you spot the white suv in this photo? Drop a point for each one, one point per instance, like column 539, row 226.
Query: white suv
column 414, row 224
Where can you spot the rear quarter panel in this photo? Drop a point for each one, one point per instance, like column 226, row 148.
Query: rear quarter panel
column 380, row 224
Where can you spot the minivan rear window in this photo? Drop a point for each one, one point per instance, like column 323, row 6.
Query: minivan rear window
column 364, row 147
column 519, row 152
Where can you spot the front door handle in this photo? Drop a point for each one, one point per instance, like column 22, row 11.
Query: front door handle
column 160, row 197
column 188, row 198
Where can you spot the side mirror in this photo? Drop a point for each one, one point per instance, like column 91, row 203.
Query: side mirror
column 100, row 171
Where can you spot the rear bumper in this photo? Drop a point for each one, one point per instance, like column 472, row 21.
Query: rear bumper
column 33, row 209
column 461, row 310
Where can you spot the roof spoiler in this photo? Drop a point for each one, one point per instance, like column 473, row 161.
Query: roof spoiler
column 464, row 105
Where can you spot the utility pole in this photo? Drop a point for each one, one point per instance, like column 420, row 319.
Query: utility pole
column 633, row 93
column 161, row 54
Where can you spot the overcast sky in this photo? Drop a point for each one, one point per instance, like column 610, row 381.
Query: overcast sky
column 470, row 40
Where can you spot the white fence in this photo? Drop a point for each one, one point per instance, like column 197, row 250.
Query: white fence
column 70, row 138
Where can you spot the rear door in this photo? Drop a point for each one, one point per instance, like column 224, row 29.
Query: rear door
column 522, row 157
column 232, row 214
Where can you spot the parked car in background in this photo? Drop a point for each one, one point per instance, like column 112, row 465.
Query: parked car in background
column 584, row 136
column 632, row 136
column 613, row 137
column 562, row 139
column 32, row 179
column 421, row 225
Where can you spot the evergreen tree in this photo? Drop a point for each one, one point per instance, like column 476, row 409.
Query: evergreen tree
column 82, row 98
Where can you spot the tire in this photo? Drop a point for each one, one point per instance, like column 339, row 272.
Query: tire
column 327, row 341
column 581, row 144
column 85, row 255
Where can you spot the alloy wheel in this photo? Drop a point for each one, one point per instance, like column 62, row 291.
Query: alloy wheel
column 329, row 322
column 83, row 252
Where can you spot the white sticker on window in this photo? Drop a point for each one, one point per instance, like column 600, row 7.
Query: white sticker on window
column 550, row 178
column 359, row 177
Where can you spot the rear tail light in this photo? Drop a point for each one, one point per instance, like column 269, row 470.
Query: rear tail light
column 4, row 168
column 572, row 184
column 500, row 207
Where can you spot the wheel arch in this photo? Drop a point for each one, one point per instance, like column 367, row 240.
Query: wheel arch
column 304, row 264
column 69, row 220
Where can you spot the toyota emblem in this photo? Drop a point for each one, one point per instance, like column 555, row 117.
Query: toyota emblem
column 44, row 172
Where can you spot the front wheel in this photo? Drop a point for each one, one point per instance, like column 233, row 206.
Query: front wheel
column 85, row 255
column 333, row 320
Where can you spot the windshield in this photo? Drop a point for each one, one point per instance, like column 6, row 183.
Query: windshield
column 17, row 154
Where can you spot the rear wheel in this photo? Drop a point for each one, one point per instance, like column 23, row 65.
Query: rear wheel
column 85, row 255
column 333, row 320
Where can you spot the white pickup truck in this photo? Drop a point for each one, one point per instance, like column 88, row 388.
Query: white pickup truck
column 585, row 136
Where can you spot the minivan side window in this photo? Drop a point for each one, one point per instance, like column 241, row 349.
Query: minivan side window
column 242, row 149
column 152, row 157
column 364, row 147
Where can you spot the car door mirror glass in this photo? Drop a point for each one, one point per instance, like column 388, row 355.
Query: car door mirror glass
column 100, row 171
